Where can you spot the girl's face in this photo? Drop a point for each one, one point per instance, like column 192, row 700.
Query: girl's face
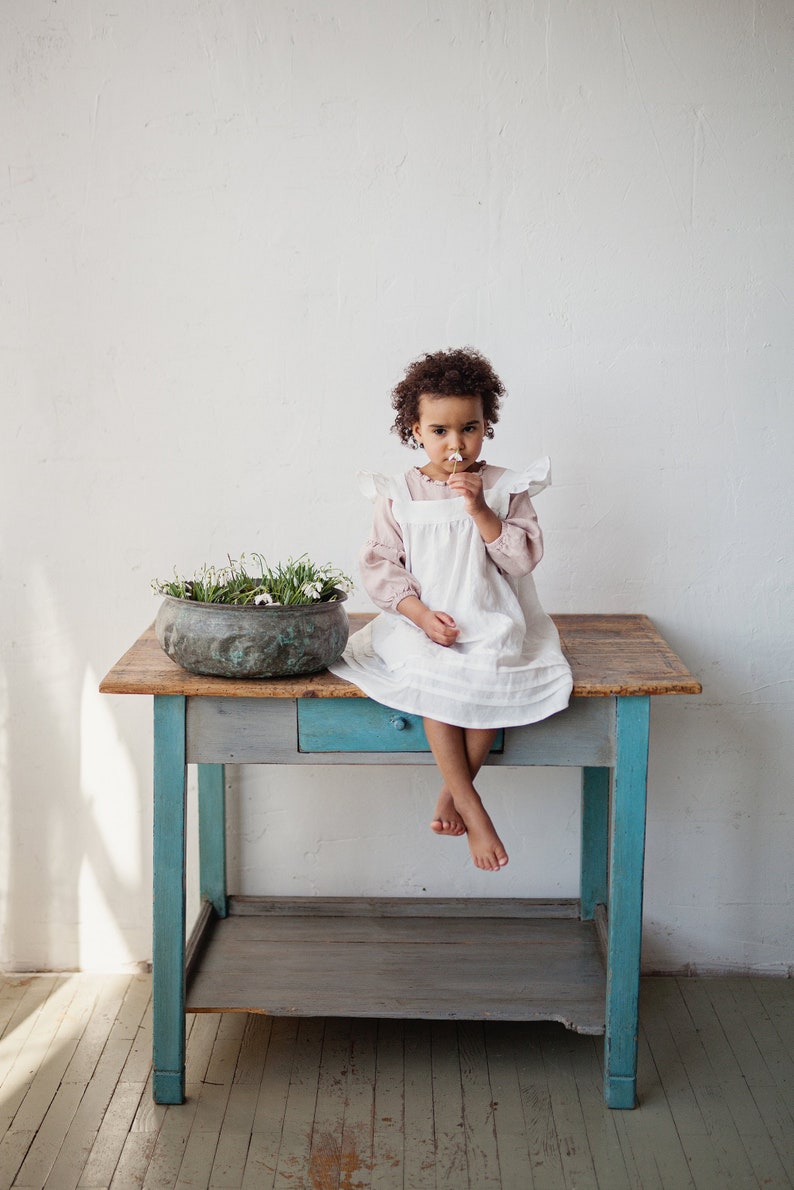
column 447, row 425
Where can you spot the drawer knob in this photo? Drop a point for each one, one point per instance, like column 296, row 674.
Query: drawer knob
column 399, row 724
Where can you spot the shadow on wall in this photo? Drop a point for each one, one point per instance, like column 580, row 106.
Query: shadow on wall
column 732, row 826
column 79, row 828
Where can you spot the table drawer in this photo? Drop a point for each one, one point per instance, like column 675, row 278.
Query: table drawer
column 360, row 725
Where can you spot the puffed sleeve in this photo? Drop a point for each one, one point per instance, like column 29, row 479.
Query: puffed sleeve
column 382, row 560
column 519, row 547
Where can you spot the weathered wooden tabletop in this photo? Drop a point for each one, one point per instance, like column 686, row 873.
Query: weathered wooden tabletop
column 608, row 654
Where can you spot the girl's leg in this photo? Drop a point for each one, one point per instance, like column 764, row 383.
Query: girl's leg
column 448, row 745
column 478, row 742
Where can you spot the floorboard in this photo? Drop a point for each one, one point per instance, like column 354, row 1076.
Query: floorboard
column 478, row 1107
column 388, row 1149
column 389, row 1104
column 451, row 1163
column 418, row 1114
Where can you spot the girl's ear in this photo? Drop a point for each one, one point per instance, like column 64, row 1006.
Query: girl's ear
column 415, row 432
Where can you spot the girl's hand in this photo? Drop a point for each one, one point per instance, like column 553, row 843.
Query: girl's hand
column 468, row 484
column 440, row 627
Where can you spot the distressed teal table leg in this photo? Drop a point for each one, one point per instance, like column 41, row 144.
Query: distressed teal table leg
column 595, row 831
column 212, row 835
column 626, row 862
column 168, row 949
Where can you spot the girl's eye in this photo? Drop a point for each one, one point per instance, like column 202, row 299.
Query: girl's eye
column 439, row 430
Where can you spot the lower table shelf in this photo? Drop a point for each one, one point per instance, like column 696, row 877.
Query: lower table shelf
column 402, row 957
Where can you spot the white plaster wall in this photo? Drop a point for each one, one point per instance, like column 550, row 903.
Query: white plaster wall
column 224, row 229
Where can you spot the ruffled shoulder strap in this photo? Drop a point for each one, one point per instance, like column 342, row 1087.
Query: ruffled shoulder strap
column 532, row 479
column 374, row 484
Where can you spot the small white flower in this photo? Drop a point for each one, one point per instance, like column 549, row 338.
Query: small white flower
column 312, row 590
column 457, row 457
column 265, row 598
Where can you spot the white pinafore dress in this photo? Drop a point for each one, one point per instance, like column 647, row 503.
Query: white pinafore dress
column 506, row 667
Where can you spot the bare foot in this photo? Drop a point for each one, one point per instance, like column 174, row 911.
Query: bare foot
column 487, row 849
column 447, row 820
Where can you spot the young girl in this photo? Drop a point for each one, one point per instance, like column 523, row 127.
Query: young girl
column 461, row 639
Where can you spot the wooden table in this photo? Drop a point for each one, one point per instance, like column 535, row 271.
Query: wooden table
column 404, row 957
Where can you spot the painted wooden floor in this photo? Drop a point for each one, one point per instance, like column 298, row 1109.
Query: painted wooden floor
column 320, row 1104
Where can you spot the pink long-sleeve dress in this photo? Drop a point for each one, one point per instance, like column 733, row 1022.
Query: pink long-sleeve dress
column 506, row 667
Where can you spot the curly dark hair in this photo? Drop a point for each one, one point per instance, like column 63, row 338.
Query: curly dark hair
column 458, row 372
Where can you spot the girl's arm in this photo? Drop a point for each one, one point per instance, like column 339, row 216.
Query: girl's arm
column 468, row 484
column 382, row 561
column 514, row 544
column 392, row 587
column 519, row 547
column 439, row 626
